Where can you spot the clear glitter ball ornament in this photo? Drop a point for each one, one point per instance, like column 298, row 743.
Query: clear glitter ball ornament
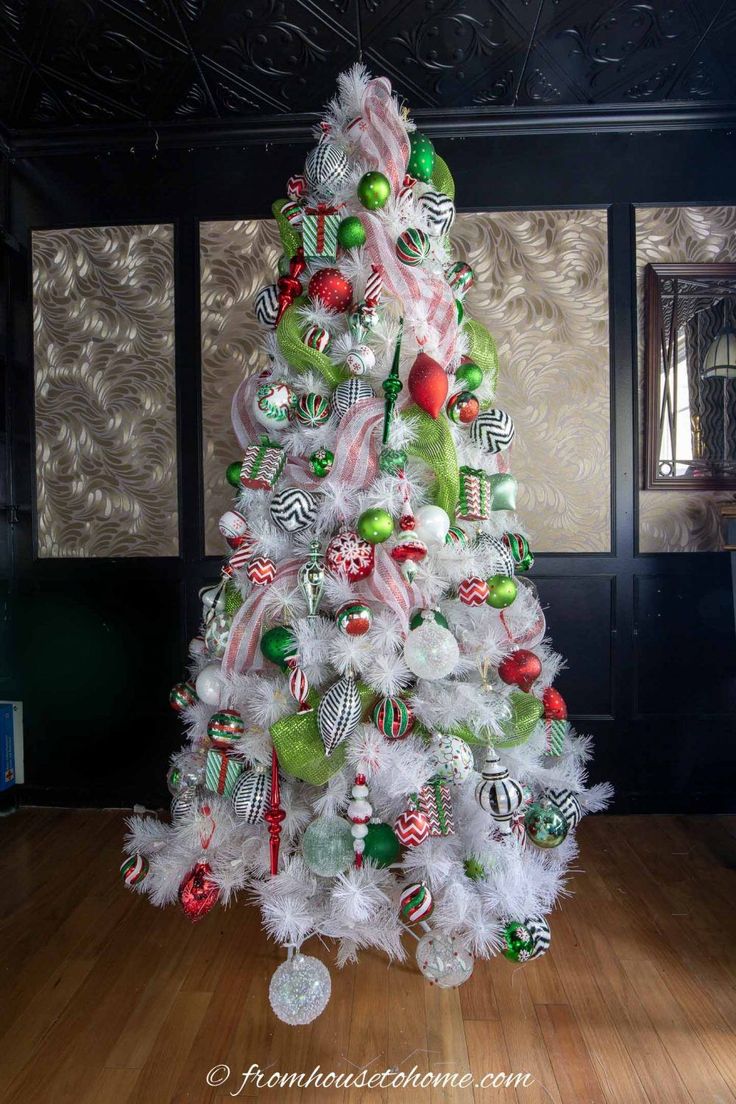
column 327, row 846
column 300, row 989
column 431, row 651
column 444, row 960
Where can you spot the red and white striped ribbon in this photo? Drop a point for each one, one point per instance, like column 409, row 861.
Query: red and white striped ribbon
column 243, row 652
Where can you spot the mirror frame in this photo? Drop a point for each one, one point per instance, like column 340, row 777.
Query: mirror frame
column 653, row 481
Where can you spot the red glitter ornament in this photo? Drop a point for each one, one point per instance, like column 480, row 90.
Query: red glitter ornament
column 522, row 668
column 428, row 384
column 332, row 289
column 555, row 708
column 198, row 893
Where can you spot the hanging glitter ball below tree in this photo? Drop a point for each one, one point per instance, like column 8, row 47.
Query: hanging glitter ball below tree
column 375, row 747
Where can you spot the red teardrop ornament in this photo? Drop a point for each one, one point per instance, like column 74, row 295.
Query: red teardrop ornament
column 428, row 384
column 522, row 668
column 198, row 894
column 554, row 705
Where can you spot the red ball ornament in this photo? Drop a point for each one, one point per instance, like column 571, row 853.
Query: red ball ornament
column 555, row 708
column 198, row 894
column 473, row 591
column 411, row 828
column 332, row 289
column 522, row 668
column 350, row 556
column 428, row 384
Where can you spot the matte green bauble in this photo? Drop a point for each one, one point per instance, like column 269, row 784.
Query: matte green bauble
column 421, row 158
column 474, row 869
column 232, row 473
column 502, row 591
column 460, row 311
column 392, row 461
column 373, row 190
column 470, row 374
column 351, row 233
column 381, row 845
column 546, row 824
column 327, row 846
column 375, row 526
column 320, row 462
column 278, row 645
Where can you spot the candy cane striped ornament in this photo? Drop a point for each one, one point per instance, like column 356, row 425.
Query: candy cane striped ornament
column 239, row 560
column 416, row 903
column 261, row 571
column 317, row 337
column 359, row 813
column 374, row 287
column 473, row 591
column 298, row 685
column 134, row 869
column 411, row 828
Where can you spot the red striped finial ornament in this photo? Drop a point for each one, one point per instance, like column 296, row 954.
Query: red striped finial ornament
column 359, row 812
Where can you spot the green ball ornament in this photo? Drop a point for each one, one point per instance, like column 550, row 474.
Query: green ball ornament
column 373, row 190
column 392, row 461
column 278, row 645
column 381, row 845
column 284, row 265
column 526, row 939
column 470, row 374
column 546, row 824
column 502, row 591
column 327, row 846
column 460, row 311
column 421, row 157
column 351, row 233
column 474, row 869
column 375, row 526
column 232, row 473
column 320, row 462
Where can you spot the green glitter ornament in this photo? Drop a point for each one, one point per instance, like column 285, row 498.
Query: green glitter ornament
column 375, row 525
column 351, row 233
column 470, row 374
column 421, row 157
column 546, row 824
column 233, row 599
column 373, row 190
column 278, row 645
column 381, row 845
column 320, row 462
column 232, row 473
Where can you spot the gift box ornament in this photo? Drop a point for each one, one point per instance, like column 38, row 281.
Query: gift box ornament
column 555, row 737
column 262, row 465
column 319, row 232
column 436, row 804
column 221, row 772
column 476, row 495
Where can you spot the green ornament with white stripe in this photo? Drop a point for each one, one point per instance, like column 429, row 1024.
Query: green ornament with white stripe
column 225, row 728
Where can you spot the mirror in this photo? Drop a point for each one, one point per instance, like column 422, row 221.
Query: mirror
column 691, row 376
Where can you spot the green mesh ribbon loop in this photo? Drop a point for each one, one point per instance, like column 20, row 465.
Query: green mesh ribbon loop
column 526, row 712
column 442, row 177
column 435, row 446
column 299, row 746
column 299, row 355
column 482, row 350
column 290, row 238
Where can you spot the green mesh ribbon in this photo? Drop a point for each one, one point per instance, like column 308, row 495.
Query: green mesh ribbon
column 290, row 238
column 526, row 711
column 442, row 177
column 482, row 350
column 299, row 355
column 435, row 446
column 299, row 746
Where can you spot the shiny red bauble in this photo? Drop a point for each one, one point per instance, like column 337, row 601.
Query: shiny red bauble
column 555, row 708
column 522, row 668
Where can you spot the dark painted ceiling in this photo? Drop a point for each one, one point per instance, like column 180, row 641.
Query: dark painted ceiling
column 99, row 69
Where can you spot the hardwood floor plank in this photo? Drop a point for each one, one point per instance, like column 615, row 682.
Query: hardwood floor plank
column 568, row 1054
column 522, row 1033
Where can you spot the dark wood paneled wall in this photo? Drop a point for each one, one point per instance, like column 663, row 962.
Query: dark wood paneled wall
column 93, row 646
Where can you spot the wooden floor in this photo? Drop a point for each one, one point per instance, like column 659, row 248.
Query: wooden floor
column 104, row 1000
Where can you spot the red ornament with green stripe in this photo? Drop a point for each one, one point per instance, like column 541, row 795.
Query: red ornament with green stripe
column 413, row 246
column 134, row 869
column 354, row 618
column 225, row 728
column 519, row 548
column 182, row 696
column 393, row 718
column 416, row 903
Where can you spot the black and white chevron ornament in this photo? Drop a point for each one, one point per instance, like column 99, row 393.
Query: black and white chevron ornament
column 293, row 509
column 493, row 430
column 348, row 393
column 267, row 305
column 439, row 211
column 568, row 804
column 326, row 169
column 251, row 794
column 497, row 556
column 539, row 935
column 339, row 713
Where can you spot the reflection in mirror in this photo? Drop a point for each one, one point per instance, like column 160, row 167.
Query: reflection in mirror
column 691, row 357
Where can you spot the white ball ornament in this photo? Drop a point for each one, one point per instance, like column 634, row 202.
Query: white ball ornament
column 444, row 960
column 210, row 684
column 432, row 524
column 451, row 758
column 431, row 651
column 360, row 359
column 273, row 404
column 300, row 989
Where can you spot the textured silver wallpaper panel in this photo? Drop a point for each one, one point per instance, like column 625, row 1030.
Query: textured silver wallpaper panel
column 542, row 290
column 105, row 397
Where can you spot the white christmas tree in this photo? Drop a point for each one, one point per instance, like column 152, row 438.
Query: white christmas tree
column 374, row 743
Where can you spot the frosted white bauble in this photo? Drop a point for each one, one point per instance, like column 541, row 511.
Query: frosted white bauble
column 431, row 651
column 451, row 758
column 209, row 684
column 444, row 960
column 432, row 524
column 300, row 989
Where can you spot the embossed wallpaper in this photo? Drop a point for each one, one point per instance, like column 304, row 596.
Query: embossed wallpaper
column 542, row 290
column 679, row 521
column 105, row 398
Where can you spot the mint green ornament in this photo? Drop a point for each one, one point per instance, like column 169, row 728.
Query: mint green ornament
column 375, row 525
column 327, row 846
